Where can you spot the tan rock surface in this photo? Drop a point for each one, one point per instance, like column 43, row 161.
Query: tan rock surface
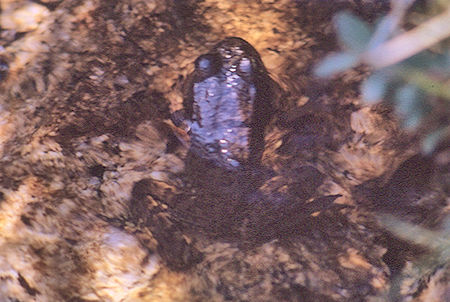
column 82, row 112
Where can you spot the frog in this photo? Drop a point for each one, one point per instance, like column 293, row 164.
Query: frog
column 229, row 102
column 227, row 189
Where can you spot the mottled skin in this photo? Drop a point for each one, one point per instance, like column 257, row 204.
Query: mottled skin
column 228, row 104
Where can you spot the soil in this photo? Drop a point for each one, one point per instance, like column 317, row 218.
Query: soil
column 101, row 202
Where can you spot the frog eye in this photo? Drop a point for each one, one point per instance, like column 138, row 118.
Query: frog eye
column 245, row 66
column 208, row 64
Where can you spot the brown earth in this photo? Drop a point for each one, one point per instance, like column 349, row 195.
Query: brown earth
column 95, row 200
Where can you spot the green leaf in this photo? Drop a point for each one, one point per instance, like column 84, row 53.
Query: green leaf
column 409, row 105
column 353, row 33
column 430, row 142
column 427, row 81
column 383, row 31
column 435, row 240
column 422, row 60
column 412, row 121
column 335, row 63
column 428, row 61
column 406, row 98
column 374, row 87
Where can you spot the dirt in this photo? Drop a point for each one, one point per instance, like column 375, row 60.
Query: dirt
column 100, row 202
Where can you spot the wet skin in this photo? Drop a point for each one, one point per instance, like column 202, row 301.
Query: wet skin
column 228, row 105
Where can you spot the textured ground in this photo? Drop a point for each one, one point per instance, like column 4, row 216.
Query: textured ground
column 85, row 89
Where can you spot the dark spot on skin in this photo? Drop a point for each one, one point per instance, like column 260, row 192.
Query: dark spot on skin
column 30, row 290
column 2, row 196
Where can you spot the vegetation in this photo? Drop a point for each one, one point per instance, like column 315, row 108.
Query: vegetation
column 410, row 68
column 438, row 256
